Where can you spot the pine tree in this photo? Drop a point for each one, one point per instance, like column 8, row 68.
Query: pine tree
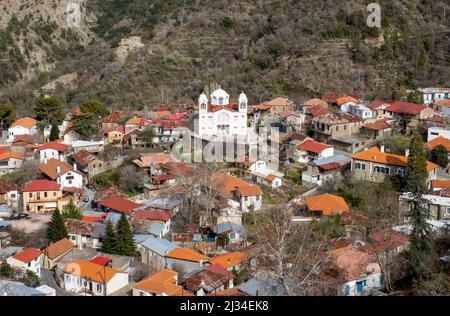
column 416, row 184
column 125, row 244
column 109, row 240
column 71, row 211
column 54, row 132
column 56, row 230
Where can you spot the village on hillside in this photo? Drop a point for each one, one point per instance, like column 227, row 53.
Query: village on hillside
column 348, row 197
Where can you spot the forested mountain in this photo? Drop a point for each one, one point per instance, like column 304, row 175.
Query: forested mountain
column 143, row 52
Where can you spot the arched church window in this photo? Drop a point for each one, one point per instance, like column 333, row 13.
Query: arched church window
column 242, row 105
column 203, row 106
column 224, row 118
column 220, row 101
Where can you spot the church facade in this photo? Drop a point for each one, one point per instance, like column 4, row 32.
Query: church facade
column 218, row 116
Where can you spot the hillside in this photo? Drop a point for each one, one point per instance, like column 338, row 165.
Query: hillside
column 142, row 52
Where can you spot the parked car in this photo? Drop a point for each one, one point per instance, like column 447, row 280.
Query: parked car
column 18, row 216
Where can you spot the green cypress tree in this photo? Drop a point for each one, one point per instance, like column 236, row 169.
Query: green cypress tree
column 56, row 230
column 71, row 211
column 439, row 155
column 109, row 240
column 54, row 132
column 125, row 244
column 416, row 184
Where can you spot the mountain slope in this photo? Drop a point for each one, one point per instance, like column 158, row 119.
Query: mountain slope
column 267, row 48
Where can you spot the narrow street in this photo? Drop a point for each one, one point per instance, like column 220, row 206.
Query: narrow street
column 47, row 277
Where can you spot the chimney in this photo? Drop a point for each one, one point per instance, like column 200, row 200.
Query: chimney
column 58, row 169
column 75, row 166
column 382, row 148
column 407, row 152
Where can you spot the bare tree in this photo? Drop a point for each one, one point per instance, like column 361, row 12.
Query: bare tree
column 292, row 254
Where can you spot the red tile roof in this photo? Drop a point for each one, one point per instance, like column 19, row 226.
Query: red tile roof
column 27, row 255
column 312, row 146
column 152, row 215
column 41, row 185
column 119, row 204
column 405, row 107
column 100, row 260
column 119, row 129
column 318, row 110
column 58, row 248
column 53, row 145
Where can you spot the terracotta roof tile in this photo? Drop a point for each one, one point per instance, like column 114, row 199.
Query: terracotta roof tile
column 119, row 204
column 374, row 154
column 186, row 254
column 437, row 141
column 228, row 260
column 312, row 146
column 92, row 271
column 24, row 122
column 50, row 168
column 328, row 204
column 27, row 255
column 162, row 282
column 41, row 185
column 377, row 125
column 58, row 248
column 53, row 145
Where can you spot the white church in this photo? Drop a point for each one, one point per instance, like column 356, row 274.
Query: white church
column 218, row 116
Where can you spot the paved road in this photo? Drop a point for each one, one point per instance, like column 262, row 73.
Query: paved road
column 48, row 278
column 87, row 206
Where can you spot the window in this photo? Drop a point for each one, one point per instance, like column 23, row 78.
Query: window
column 346, row 290
column 345, row 127
column 54, row 193
column 360, row 286
column 434, row 133
column 447, row 213
column 99, row 288
column 30, row 195
column 360, row 166
column 45, row 194
column 381, row 170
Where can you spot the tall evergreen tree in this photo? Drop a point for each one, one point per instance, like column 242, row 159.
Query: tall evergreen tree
column 49, row 110
column 54, row 132
column 109, row 240
column 416, row 184
column 56, row 230
column 71, row 211
column 125, row 244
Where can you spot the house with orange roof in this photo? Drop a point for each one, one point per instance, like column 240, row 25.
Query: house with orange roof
column 91, row 279
column 27, row 259
column 185, row 260
column 212, row 279
column 345, row 103
column 326, row 205
column 55, row 251
column 375, row 165
column 137, row 123
column 230, row 260
column 442, row 106
column 23, row 126
column 440, row 140
column 62, row 173
column 248, row 195
column 160, row 283
column 10, row 161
